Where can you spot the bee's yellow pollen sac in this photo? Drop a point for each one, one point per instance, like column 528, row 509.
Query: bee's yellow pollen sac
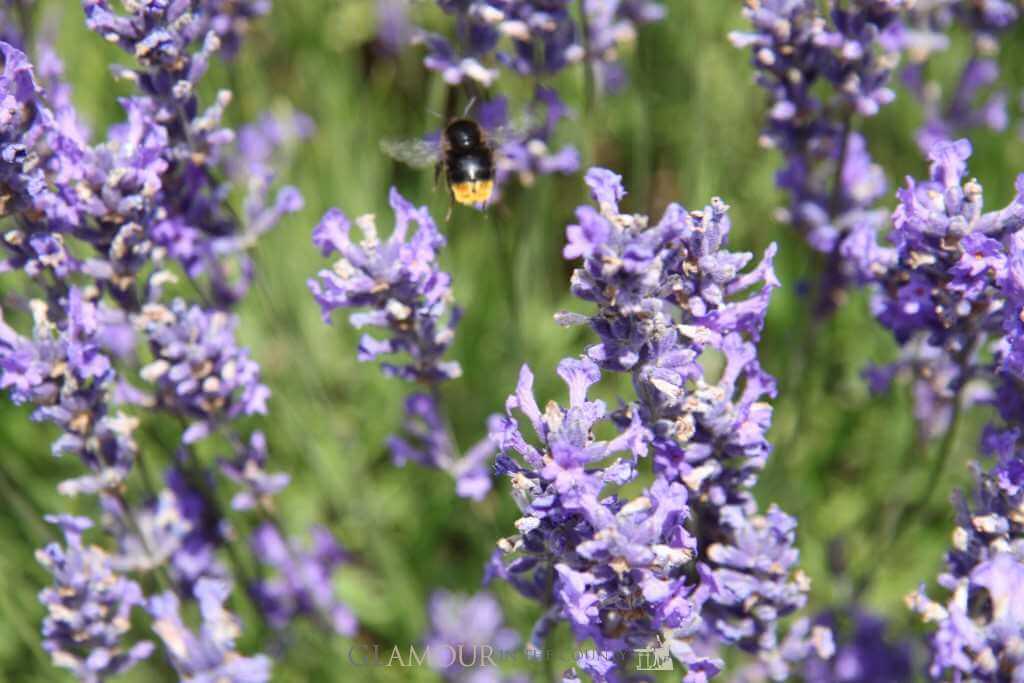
column 473, row 192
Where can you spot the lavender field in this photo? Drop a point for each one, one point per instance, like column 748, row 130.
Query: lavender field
column 724, row 381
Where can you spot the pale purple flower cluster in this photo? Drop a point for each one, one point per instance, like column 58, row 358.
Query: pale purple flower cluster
column 101, row 230
column 946, row 293
column 955, row 288
column 398, row 280
column 173, row 43
column 822, row 73
column 628, row 572
column 544, row 37
column 618, row 570
column 210, row 654
column 979, row 629
column 89, row 607
column 198, row 370
column 406, row 294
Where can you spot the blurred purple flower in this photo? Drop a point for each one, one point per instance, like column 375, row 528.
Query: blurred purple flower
column 89, row 607
column 209, row 655
column 426, row 441
column 863, row 654
column 248, row 470
column 303, row 586
column 474, row 623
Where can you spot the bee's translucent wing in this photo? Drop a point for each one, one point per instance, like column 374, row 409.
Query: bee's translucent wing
column 519, row 129
column 418, row 153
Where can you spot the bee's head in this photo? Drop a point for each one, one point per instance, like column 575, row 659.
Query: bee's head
column 463, row 134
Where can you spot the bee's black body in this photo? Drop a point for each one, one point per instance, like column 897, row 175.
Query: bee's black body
column 468, row 162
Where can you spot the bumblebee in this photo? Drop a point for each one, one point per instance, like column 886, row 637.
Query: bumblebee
column 463, row 155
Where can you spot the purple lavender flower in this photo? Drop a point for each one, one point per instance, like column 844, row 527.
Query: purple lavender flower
column 209, row 655
column 147, row 535
column 89, row 607
column 65, row 374
column 617, row 570
column 665, row 295
column 410, row 298
column 975, row 99
column 952, row 261
column 545, row 38
column 198, row 370
column 399, row 281
column 173, row 43
column 978, row 630
column 303, row 584
column 248, row 470
column 831, row 180
column 93, row 226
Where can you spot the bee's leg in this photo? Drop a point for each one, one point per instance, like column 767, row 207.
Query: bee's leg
column 438, row 167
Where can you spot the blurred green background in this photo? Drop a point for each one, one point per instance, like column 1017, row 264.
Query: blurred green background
column 684, row 129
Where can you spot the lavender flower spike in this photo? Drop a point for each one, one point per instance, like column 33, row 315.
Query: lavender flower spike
column 665, row 295
column 399, row 281
column 209, row 656
column 951, row 279
column 89, row 607
column 979, row 632
column 303, row 584
column 617, row 570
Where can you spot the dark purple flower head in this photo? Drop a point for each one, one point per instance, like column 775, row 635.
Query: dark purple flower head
column 207, row 530
column 199, row 371
column 89, row 607
column 863, row 653
column 210, row 654
column 303, row 584
column 401, row 284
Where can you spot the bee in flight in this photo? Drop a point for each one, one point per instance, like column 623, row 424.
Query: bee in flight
column 464, row 155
